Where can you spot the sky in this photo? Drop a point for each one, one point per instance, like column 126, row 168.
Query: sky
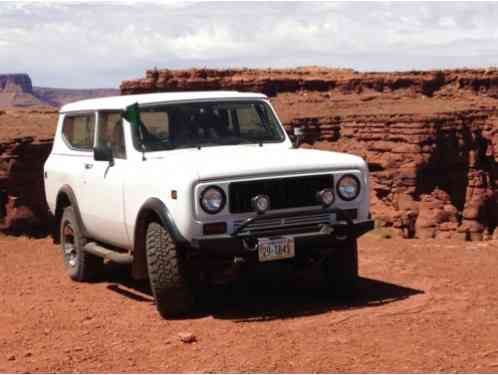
column 90, row 45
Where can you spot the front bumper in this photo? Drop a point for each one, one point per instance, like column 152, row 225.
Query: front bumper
column 328, row 237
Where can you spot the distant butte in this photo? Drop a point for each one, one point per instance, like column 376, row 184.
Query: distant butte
column 16, row 90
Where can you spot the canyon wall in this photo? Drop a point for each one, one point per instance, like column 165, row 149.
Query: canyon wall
column 276, row 81
column 23, row 207
column 25, row 143
column 429, row 137
column 431, row 177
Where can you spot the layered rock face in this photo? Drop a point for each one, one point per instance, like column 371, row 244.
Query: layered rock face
column 429, row 137
column 22, row 199
column 276, row 81
column 431, row 177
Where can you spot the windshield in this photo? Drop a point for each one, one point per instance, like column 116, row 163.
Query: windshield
column 206, row 124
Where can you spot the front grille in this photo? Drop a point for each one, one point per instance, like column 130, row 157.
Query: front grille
column 292, row 192
column 301, row 223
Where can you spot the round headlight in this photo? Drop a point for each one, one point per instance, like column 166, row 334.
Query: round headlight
column 348, row 187
column 213, row 199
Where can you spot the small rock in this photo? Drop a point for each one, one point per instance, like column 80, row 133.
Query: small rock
column 28, row 354
column 187, row 337
column 11, row 357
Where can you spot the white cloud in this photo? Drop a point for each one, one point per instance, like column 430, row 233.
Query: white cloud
column 100, row 44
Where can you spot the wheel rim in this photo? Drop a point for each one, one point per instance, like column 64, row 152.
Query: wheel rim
column 69, row 246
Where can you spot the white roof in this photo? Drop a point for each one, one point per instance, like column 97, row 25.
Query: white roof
column 121, row 102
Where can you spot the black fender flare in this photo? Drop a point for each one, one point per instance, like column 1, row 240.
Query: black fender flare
column 68, row 191
column 159, row 208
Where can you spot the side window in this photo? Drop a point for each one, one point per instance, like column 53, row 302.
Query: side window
column 111, row 133
column 78, row 131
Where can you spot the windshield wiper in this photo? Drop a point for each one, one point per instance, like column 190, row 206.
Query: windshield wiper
column 259, row 139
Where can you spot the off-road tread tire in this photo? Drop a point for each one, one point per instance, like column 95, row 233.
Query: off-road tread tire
column 167, row 273
column 341, row 270
column 88, row 266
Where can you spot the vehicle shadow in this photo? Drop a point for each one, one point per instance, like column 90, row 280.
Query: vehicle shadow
column 250, row 299
column 263, row 302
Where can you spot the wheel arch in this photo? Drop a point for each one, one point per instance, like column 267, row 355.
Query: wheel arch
column 65, row 198
column 153, row 210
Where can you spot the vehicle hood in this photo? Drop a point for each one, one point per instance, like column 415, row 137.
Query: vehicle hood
column 213, row 163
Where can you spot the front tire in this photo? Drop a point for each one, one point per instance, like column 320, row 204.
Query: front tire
column 80, row 265
column 167, row 273
column 341, row 270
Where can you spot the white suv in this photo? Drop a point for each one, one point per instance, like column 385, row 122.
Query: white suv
column 190, row 186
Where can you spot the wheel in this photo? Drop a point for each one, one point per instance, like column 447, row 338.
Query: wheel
column 80, row 265
column 341, row 270
column 167, row 273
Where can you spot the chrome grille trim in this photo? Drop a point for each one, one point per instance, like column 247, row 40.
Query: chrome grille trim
column 288, row 222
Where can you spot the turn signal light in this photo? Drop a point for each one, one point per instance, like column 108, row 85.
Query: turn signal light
column 214, row 228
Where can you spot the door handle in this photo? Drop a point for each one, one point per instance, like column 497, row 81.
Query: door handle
column 88, row 166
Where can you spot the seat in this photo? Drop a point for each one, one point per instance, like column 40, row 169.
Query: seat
column 117, row 143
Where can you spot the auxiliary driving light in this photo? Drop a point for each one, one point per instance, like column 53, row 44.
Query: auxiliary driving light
column 326, row 197
column 260, row 203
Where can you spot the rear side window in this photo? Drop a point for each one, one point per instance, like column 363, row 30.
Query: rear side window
column 78, row 131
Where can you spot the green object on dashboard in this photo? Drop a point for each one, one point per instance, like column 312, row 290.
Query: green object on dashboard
column 132, row 114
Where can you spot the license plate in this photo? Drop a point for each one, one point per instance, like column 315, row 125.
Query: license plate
column 275, row 248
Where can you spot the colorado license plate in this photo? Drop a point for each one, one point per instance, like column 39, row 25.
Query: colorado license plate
column 275, row 248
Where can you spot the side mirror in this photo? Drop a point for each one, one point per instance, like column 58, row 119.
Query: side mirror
column 103, row 153
column 297, row 138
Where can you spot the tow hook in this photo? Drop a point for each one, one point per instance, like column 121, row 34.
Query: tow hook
column 250, row 244
column 326, row 229
column 238, row 260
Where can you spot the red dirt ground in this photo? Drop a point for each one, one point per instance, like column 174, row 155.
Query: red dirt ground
column 424, row 306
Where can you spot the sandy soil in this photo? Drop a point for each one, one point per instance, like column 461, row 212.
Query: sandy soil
column 423, row 306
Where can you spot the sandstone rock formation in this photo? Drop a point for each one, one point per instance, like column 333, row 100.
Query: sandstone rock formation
column 22, row 201
column 430, row 139
column 276, row 81
column 17, row 90
column 25, row 143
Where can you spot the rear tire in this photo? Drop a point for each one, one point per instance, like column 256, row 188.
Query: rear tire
column 80, row 265
column 341, row 270
column 167, row 273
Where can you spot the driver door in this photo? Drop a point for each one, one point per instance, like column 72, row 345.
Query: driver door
column 103, row 187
